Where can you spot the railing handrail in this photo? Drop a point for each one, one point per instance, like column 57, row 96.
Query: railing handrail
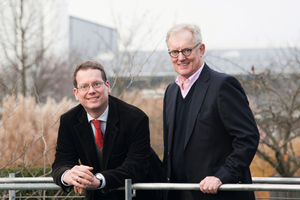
column 224, row 187
column 29, row 186
column 164, row 186
column 46, row 183
column 27, row 180
column 279, row 180
column 129, row 187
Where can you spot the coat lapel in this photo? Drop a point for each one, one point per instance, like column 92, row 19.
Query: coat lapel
column 110, row 132
column 198, row 97
column 171, row 112
column 86, row 137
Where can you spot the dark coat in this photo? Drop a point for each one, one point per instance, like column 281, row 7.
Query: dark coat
column 221, row 136
column 126, row 152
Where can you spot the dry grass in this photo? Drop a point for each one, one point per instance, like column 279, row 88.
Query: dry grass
column 28, row 130
column 153, row 107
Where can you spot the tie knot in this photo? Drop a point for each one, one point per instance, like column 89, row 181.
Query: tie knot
column 96, row 124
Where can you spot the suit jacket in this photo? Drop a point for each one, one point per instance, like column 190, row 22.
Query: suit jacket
column 221, row 136
column 126, row 151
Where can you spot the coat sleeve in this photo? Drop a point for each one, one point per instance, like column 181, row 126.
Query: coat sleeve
column 239, row 122
column 65, row 156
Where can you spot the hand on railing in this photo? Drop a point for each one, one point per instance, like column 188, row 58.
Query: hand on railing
column 210, row 185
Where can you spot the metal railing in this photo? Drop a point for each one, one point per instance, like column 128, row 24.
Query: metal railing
column 46, row 183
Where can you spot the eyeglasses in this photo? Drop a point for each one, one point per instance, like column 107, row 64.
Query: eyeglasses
column 86, row 88
column 185, row 52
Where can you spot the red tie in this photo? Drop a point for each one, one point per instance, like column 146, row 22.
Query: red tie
column 99, row 137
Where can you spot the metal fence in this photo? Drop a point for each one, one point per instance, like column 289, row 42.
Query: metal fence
column 46, row 183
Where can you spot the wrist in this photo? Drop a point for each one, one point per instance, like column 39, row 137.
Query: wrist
column 99, row 178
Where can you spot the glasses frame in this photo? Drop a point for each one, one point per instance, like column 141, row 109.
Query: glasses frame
column 89, row 86
column 182, row 51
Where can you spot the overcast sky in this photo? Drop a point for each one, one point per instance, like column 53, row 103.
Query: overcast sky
column 224, row 23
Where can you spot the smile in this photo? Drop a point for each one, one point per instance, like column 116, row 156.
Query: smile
column 182, row 65
column 93, row 98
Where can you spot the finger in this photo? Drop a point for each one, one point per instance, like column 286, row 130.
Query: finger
column 84, row 168
column 206, row 188
column 81, row 172
column 85, row 173
column 205, row 185
column 84, row 181
column 75, row 189
column 212, row 188
column 78, row 190
column 202, row 185
column 89, row 177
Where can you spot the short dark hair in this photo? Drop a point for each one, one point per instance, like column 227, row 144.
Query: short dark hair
column 89, row 65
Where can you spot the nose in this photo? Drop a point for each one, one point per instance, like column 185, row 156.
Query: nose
column 91, row 89
column 181, row 56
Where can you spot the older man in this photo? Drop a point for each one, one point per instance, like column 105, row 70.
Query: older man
column 210, row 135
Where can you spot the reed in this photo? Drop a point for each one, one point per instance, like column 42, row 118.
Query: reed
column 28, row 130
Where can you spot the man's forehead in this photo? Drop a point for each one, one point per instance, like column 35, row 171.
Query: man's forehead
column 89, row 75
column 181, row 35
column 180, row 44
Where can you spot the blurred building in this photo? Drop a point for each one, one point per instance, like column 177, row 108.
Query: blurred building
column 90, row 39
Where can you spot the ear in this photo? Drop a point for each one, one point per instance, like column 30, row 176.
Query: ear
column 202, row 49
column 75, row 91
column 108, row 87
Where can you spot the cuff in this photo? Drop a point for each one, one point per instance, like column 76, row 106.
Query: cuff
column 103, row 182
column 62, row 178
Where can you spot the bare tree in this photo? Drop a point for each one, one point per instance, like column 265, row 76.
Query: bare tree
column 274, row 95
column 29, row 47
column 127, row 59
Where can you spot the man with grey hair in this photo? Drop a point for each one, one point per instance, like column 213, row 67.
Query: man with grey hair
column 210, row 135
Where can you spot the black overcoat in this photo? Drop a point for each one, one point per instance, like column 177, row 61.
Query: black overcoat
column 221, row 136
column 126, row 151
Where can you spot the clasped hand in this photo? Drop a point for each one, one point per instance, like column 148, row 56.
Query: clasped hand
column 81, row 176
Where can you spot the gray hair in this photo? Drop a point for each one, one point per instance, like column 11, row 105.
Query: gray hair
column 193, row 28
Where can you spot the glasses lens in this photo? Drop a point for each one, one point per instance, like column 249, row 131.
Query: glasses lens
column 186, row 52
column 84, row 88
column 97, row 85
column 174, row 53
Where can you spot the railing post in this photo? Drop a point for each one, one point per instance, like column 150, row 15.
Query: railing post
column 128, row 190
column 12, row 193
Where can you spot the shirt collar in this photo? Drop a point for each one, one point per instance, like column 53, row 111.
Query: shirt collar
column 102, row 118
column 192, row 79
